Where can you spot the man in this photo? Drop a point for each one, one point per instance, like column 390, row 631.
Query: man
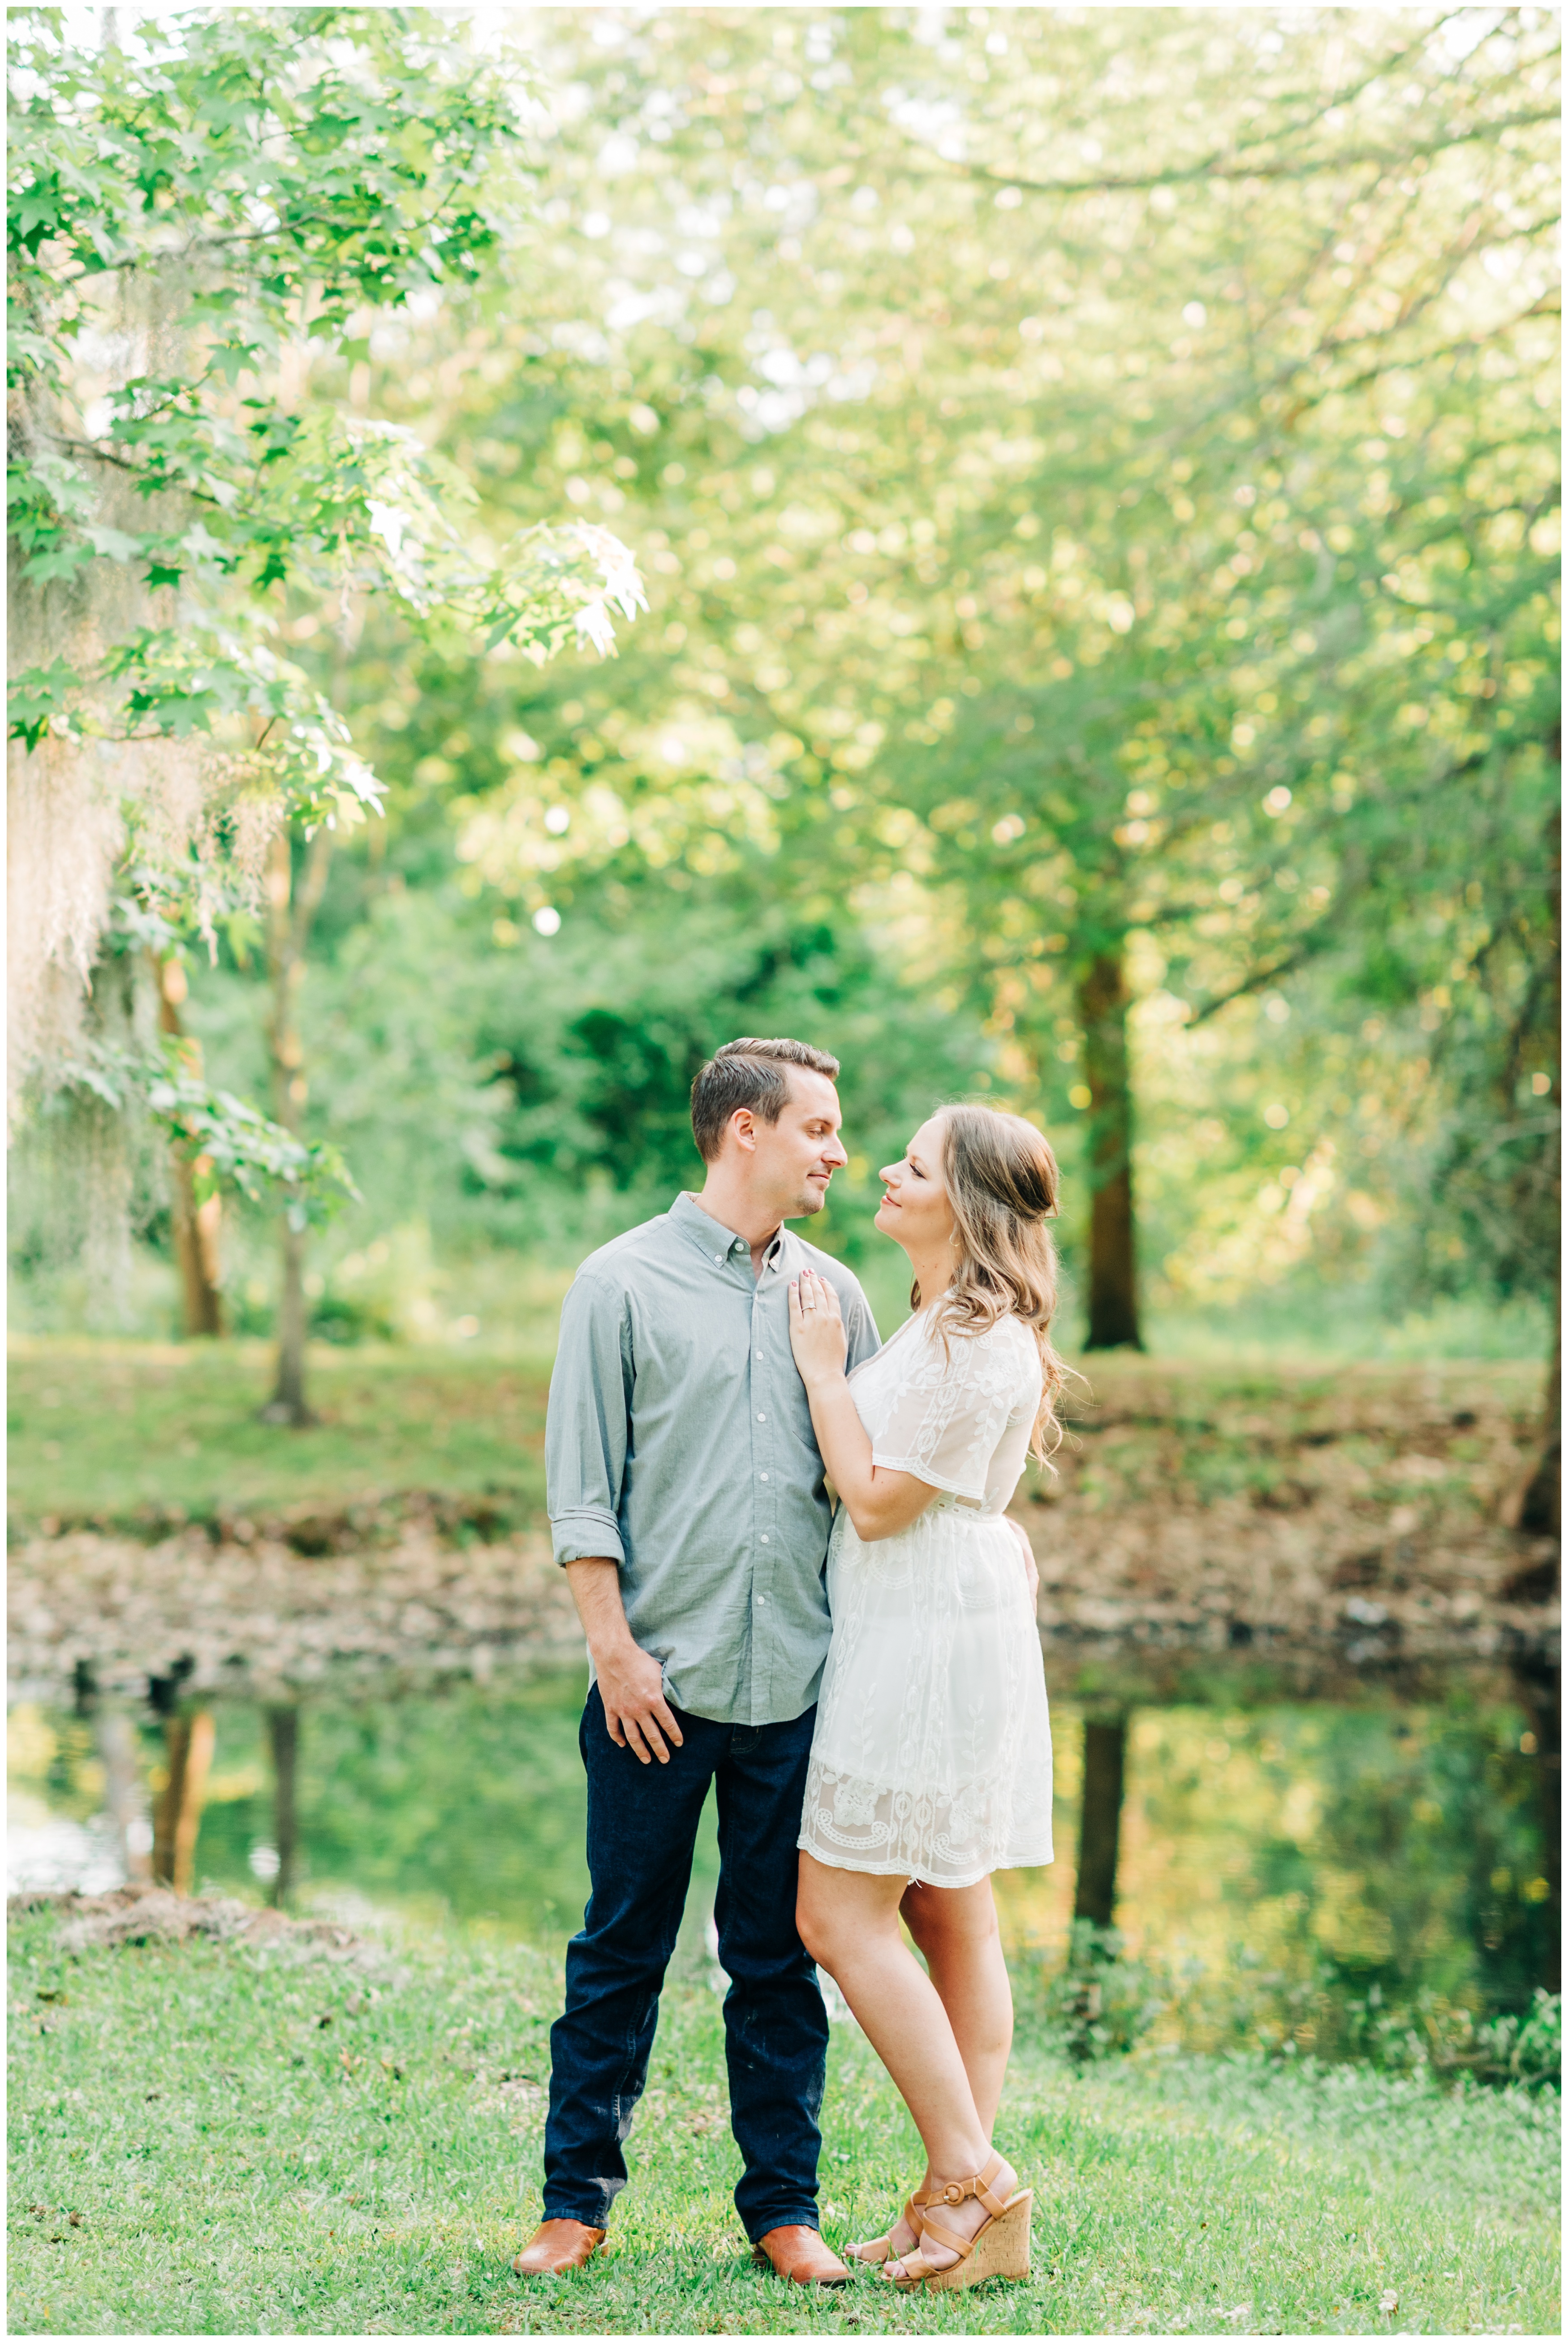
column 688, row 1508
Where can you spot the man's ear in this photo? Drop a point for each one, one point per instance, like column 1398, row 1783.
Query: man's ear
column 743, row 1126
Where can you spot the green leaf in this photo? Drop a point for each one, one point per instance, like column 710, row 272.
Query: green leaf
column 231, row 359
column 234, row 1147
column 32, row 215
column 61, row 561
column 203, row 545
column 113, row 544
column 36, row 696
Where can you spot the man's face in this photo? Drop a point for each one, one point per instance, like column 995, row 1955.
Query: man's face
column 793, row 1158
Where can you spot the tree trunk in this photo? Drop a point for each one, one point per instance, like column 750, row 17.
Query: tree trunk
column 1113, row 1251
column 196, row 1235
column 177, row 1815
column 1100, row 1820
column 196, row 1225
column 283, row 1731
column 289, row 920
column 1541, row 1507
column 116, row 1738
column 288, row 1403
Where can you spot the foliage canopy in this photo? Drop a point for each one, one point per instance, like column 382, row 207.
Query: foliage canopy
column 1096, row 478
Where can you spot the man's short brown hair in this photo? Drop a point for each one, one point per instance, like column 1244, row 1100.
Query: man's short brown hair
column 752, row 1073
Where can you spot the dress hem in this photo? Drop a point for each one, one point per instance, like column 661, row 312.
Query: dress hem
column 902, row 1869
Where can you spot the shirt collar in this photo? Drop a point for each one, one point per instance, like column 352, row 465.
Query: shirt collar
column 712, row 1237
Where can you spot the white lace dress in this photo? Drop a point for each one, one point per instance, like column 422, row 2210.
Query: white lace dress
column 931, row 1755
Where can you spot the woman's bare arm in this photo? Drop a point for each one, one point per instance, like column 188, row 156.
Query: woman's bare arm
column 880, row 1502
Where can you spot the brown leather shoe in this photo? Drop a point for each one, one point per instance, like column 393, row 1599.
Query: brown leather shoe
column 558, row 2247
column 800, row 2255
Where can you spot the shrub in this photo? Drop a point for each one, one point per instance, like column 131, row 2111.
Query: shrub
column 1104, row 2003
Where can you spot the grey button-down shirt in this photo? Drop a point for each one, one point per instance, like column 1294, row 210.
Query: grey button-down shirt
column 679, row 1443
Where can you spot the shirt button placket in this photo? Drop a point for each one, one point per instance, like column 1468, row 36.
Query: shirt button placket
column 763, row 1624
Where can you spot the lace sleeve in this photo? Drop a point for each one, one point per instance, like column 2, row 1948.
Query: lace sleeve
column 945, row 1415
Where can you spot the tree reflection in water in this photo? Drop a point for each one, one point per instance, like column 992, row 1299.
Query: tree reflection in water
column 1391, row 1849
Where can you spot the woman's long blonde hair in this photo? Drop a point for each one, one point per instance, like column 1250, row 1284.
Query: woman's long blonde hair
column 1001, row 1179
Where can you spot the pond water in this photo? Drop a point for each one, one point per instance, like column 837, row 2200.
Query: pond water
column 1393, row 1847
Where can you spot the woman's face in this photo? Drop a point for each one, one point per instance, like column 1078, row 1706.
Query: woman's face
column 915, row 1212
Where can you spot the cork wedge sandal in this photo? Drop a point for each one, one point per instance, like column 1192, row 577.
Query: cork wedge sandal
column 999, row 2246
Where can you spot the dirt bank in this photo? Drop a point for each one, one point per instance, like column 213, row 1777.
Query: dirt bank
column 1327, row 1523
column 1310, row 1528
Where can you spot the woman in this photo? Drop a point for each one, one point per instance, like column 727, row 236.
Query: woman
column 931, row 1762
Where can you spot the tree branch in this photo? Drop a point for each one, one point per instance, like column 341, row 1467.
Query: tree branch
column 1271, row 973
column 103, row 455
column 1232, row 166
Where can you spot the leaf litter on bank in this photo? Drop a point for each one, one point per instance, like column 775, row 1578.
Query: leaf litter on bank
column 139, row 1912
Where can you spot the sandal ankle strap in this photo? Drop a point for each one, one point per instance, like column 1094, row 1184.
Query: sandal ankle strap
column 978, row 2185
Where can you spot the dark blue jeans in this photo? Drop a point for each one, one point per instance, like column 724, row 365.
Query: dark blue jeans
column 642, row 1830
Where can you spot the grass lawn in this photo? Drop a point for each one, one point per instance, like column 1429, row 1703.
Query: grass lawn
column 217, row 2139
column 102, row 1428
column 107, row 1430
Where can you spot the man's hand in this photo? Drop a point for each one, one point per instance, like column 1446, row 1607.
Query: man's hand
column 1031, row 1568
column 631, row 1684
column 632, row 1687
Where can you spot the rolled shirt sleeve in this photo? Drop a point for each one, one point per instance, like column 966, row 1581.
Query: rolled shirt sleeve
column 586, row 1427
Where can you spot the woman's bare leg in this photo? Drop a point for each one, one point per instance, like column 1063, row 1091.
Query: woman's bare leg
column 848, row 1921
column 956, row 1929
